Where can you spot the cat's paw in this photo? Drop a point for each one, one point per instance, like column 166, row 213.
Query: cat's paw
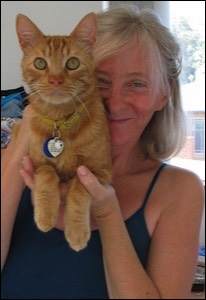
column 77, row 236
column 45, row 220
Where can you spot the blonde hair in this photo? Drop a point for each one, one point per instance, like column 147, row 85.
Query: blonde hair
column 121, row 26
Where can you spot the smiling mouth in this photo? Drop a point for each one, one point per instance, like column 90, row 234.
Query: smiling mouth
column 118, row 121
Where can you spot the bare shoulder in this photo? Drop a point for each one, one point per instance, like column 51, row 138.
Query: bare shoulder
column 175, row 230
column 183, row 186
column 182, row 178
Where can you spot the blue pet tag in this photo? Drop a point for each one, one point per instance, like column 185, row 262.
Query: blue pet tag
column 53, row 147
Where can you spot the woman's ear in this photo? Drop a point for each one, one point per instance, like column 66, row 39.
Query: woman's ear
column 165, row 95
column 161, row 102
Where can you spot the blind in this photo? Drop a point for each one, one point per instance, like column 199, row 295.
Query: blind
column 140, row 4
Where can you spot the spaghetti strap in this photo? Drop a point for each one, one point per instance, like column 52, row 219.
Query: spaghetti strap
column 153, row 183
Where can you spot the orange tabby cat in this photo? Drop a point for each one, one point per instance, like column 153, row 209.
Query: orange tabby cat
column 68, row 127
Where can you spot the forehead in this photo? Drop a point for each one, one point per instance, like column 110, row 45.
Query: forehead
column 129, row 60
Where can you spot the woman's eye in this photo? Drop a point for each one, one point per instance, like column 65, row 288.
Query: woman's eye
column 72, row 63
column 40, row 63
column 103, row 83
column 138, row 84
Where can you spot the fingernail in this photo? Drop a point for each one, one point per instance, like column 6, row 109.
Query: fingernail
column 23, row 160
column 82, row 171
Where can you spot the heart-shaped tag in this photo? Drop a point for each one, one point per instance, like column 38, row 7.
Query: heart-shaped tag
column 53, row 147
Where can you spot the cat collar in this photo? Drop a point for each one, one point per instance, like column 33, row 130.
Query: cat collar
column 64, row 124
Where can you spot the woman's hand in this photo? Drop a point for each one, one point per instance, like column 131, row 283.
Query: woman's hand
column 20, row 132
column 104, row 199
column 28, row 174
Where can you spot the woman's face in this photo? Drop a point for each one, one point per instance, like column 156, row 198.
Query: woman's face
column 126, row 89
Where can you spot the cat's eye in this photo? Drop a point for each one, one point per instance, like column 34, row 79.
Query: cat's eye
column 40, row 63
column 72, row 63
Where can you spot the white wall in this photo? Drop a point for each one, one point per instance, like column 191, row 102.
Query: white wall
column 52, row 17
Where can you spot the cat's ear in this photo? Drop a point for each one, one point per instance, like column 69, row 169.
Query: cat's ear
column 27, row 31
column 86, row 29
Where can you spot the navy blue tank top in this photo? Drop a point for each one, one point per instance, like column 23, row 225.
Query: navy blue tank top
column 42, row 265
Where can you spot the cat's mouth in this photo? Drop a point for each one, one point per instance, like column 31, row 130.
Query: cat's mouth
column 56, row 92
column 56, row 97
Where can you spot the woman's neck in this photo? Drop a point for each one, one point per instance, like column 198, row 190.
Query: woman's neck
column 126, row 160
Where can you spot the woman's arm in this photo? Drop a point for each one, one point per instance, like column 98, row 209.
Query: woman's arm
column 174, row 244
column 12, row 184
column 175, row 241
column 126, row 278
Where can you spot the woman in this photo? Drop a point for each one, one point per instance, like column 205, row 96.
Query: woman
column 145, row 227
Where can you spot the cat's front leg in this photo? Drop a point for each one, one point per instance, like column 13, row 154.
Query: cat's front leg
column 77, row 216
column 46, row 197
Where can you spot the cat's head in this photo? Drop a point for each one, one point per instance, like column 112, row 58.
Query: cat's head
column 58, row 69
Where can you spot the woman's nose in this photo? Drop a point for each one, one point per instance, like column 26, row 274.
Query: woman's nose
column 115, row 100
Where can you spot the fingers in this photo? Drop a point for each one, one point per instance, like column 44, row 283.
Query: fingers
column 27, row 172
column 20, row 133
column 89, row 181
column 28, row 111
column 98, row 191
column 104, row 200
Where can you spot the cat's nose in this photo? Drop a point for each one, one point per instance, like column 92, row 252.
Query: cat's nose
column 56, row 81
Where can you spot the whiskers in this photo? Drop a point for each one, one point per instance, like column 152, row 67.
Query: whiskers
column 70, row 97
column 24, row 96
column 35, row 88
column 84, row 106
column 53, row 96
column 103, row 104
column 74, row 96
column 34, row 91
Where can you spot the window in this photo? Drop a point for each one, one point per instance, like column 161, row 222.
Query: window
column 199, row 133
column 189, row 29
